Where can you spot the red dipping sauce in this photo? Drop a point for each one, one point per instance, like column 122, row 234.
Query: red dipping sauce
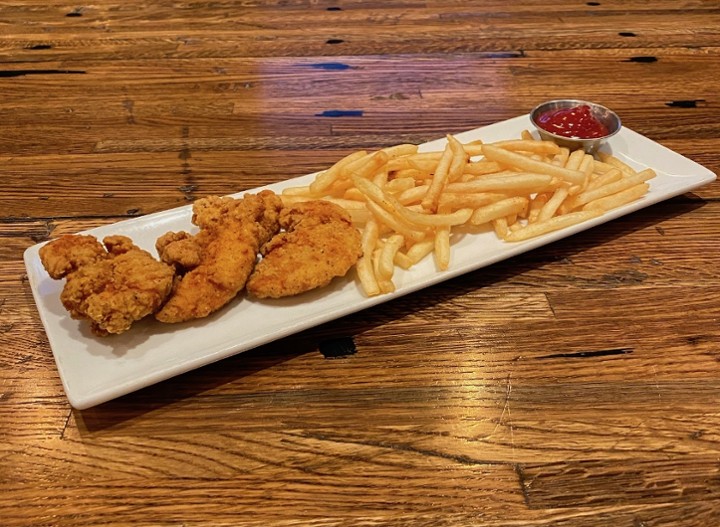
column 577, row 122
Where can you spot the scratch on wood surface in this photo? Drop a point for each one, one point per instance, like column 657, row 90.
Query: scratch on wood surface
column 505, row 414
column 657, row 384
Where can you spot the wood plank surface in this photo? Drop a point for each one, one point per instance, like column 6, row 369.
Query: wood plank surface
column 574, row 385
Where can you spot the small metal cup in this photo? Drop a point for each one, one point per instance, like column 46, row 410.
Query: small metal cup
column 605, row 115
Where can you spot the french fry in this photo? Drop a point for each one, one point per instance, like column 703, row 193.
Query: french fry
column 605, row 178
column 399, row 184
column 442, row 248
column 536, row 205
column 395, row 223
column 380, row 178
column 500, row 225
column 396, row 151
column 615, row 162
column 366, row 275
column 386, row 260
column 529, row 145
column 616, row 200
column 365, row 167
column 439, row 180
column 460, row 159
column 413, row 195
column 574, row 160
column 562, row 157
column 327, row 178
column 478, row 168
column 551, row 206
column 298, row 191
column 473, row 148
column 506, row 157
column 553, row 224
column 420, row 250
column 413, row 218
column 516, row 183
column 403, row 261
column 498, row 209
column 612, row 188
column 370, row 235
column 461, row 200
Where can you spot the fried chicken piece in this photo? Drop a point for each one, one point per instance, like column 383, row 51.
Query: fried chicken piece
column 111, row 286
column 68, row 253
column 319, row 244
column 180, row 249
column 216, row 262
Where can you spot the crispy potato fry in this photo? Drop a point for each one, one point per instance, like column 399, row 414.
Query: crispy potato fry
column 526, row 164
column 327, row 178
column 413, row 218
column 400, row 150
column 553, row 224
column 459, row 161
column 621, row 198
column 534, row 146
column 509, row 183
column 442, row 248
column 395, row 223
column 365, row 167
column 562, row 157
column 536, row 205
column 551, row 206
column 386, row 260
column 500, row 226
column 380, row 178
column 460, row 200
column 615, row 162
column 403, row 261
column 605, row 178
column 473, row 148
column 413, row 195
column 612, row 188
column 399, row 184
column 498, row 209
column 439, row 180
column 366, row 275
column 478, row 168
column 574, row 160
column 297, row 191
column 420, row 250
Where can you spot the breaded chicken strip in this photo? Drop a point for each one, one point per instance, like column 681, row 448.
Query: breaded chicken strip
column 319, row 244
column 216, row 262
column 113, row 287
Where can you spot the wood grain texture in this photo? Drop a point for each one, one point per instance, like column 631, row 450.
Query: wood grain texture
column 575, row 385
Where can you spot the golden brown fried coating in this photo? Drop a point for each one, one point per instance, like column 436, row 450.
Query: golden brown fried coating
column 111, row 288
column 319, row 244
column 179, row 248
column 231, row 233
column 66, row 254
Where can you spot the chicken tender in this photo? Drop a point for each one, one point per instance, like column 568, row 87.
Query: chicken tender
column 318, row 245
column 111, row 286
column 214, row 264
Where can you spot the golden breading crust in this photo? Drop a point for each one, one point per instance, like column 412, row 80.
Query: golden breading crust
column 110, row 288
column 319, row 244
column 215, row 263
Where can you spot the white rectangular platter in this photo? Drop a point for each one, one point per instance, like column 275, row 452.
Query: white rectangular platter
column 94, row 370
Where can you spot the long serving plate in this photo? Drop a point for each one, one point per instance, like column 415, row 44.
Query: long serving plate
column 94, row 370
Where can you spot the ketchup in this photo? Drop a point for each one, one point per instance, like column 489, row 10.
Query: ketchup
column 577, row 122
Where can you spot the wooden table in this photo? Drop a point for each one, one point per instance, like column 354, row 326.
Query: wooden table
column 575, row 385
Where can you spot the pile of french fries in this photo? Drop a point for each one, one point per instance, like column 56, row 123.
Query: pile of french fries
column 407, row 202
